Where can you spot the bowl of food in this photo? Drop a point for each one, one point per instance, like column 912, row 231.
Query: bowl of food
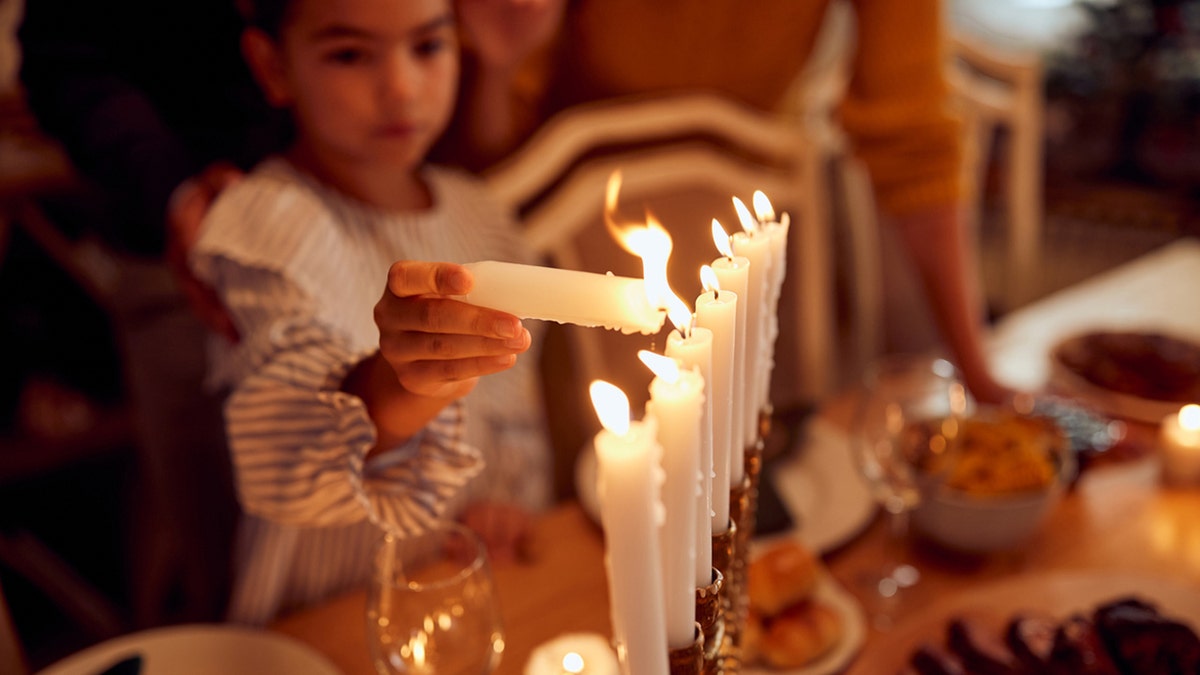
column 1008, row 472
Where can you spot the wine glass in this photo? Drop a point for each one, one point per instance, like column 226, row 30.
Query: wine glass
column 904, row 433
column 432, row 605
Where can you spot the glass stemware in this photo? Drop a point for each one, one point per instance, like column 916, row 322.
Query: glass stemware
column 904, row 433
column 432, row 607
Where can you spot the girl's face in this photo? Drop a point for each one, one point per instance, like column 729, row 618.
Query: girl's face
column 368, row 81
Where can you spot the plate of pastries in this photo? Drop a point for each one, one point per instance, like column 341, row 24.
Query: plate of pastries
column 1055, row 624
column 1143, row 376
column 801, row 621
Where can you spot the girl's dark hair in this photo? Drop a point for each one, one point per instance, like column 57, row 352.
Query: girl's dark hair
column 269, row 16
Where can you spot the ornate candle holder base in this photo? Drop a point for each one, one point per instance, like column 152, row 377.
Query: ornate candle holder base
column 688, row 660
column 710, row 616
column 724, row 556
column 739, row 599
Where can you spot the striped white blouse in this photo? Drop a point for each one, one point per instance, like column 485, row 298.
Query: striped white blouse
column 300, row 268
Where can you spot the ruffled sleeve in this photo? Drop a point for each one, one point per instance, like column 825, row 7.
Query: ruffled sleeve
column 299, row 444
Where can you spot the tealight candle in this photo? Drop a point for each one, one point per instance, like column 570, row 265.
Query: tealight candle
column 574, row 654
column 1179, row 436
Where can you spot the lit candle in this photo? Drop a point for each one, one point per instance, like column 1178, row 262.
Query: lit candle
column 776, row 232
column 573, row 654
column 693, row 349
column 676, row 400
column 629, row 479
column 733, row 273
column 565, row 296
column 1180, row 439
column 716, row 310
column 755, row 247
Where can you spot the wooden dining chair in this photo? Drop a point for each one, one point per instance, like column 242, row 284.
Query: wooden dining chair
column 683, row 158
column 1002, row 91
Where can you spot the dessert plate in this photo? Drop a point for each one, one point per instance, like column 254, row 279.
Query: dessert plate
column 854, row 633
column 199, row 649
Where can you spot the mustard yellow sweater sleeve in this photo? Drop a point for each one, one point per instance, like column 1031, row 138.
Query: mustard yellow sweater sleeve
column 896, row 107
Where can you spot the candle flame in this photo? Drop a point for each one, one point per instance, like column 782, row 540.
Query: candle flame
column 662, row 366
column 708, row 279
column 1189, row 417
column 679, row 314
column 572, row 662
column 649, row 241
column 721, row 239
column 762, row 207
column 612, row 406
column 749, row 222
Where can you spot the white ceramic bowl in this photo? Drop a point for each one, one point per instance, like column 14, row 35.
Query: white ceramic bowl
column 989, row 523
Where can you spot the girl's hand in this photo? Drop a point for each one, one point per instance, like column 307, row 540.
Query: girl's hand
column 502, row 33
column 436, row 345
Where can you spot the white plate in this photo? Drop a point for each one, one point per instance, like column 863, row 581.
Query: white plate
column 1108, row 401
column 854, row 633
column 821, row 488
column 200, row 649
column 819, row 485
column 1059, row 593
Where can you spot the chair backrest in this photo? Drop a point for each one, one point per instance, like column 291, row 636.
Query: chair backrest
column 682, row 157
column 1003, row 90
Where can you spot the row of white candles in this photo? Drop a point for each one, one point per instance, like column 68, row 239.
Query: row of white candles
column 665, row 481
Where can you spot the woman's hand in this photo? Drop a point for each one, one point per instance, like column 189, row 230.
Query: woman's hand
column 439, row 346
column 185, row 215
column 504, row 527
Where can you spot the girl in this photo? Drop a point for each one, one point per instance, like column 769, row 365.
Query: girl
column 348, row 411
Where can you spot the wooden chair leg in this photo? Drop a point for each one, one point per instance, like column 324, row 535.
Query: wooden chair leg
column 12, row 656
column 32, row 559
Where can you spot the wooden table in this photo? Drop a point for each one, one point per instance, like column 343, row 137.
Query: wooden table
column 1118, row 519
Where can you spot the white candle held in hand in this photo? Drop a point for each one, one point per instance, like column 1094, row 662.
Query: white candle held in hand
column 565, row 296
column 1180, row 440
column 629, row 480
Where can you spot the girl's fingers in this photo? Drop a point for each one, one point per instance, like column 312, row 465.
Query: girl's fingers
column 444, row 315
column 408, row 278
column 422, row 377
column 412, row 346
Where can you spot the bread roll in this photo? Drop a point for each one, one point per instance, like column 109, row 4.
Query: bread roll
column 800, row 635
column 782, row 576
